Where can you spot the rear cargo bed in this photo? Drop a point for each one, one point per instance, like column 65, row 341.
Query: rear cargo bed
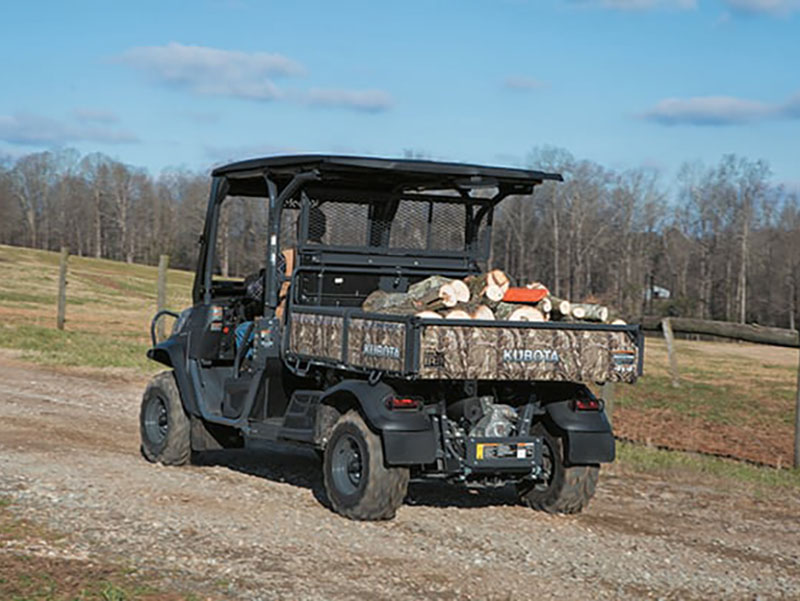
column 465, row 350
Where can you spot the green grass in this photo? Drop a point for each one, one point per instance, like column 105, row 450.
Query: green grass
column 666, row 463
column 77, row 349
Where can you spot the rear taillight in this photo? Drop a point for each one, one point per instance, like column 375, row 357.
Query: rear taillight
column 403, row 404
column 587, row 405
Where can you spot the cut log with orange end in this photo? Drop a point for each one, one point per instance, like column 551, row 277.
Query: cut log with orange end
column 524, row 295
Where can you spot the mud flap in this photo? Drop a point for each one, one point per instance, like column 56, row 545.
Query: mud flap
column 409, row 448
column 588, row 435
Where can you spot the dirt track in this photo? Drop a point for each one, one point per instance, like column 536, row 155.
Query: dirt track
column 254, row 525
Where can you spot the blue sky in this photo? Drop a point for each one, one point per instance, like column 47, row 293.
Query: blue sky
column 626, row 83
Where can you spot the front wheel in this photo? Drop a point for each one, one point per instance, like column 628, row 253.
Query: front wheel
column 562, row 489
column 163, row 425
column 358, row 484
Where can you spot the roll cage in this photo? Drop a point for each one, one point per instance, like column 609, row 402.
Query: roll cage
column 303, row 181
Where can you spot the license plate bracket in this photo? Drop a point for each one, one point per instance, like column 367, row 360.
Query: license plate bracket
column 522, row 454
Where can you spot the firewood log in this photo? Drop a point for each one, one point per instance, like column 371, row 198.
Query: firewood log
column 381, row 301
column 513, row 312
column 499, row 279
column 536, row 286
column 560, row 307
column 526, row 313
column 428, row 315
column 421, row 288
column 461, row 290
column 483, row 288
column 482, row 312
column 545, row 305
column 590, row 312
column 457, row 314
column 439, row 298
column 619, row 322
column 524, row 295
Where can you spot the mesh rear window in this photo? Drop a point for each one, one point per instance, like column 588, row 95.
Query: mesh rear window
column 417, row 225
column 410, row 225
column 345, row 224
column 448, row 226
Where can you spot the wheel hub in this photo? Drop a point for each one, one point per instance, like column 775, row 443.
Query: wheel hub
column 347, row 465
column 156, row 420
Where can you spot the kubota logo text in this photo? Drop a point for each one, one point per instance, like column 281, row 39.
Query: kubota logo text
column 526, row 355
column 381, row 350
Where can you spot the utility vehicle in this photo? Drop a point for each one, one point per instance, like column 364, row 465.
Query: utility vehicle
column 384, row 398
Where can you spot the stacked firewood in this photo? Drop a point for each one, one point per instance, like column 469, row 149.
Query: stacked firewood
column 487, row 296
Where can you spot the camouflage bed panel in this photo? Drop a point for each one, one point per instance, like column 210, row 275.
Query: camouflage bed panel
column 316, row 336
column 377, row 344
column 372, row 344
column 470, row 352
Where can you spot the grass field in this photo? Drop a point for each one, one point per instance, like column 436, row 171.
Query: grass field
column 109, row 307
column 734, row 399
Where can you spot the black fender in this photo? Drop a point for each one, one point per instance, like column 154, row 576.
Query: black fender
column 408, row 436
column 588, row 435
column 172, row 353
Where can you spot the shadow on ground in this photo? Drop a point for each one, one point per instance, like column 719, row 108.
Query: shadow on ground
column 302, row 467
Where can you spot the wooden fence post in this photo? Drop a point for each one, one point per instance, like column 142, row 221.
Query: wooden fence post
column 163, row 263
column 666, row 327
column 61, row 317
column 608, row 397
column 797, row 422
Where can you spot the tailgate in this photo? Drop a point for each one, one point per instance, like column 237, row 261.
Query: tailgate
column 530, row 351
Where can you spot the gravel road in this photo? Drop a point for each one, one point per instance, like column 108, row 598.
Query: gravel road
column 253, row 524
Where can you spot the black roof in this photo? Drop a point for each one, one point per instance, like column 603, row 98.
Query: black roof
column 354, row 172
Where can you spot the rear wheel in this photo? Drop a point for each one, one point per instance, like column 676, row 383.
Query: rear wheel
column 163, row 425
column 562, row 489
column 358, row 484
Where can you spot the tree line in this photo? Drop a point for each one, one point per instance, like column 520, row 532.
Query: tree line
column 723, row 239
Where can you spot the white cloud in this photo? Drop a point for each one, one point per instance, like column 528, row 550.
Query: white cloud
column 371, row 101
column 36, row 130
column 720, row 110
column 522, row 83
column 248, row 75
column 640, row 5
column 773, row 7
column 215, row 72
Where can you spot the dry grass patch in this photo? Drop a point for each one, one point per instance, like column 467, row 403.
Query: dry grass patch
column 734, row 399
